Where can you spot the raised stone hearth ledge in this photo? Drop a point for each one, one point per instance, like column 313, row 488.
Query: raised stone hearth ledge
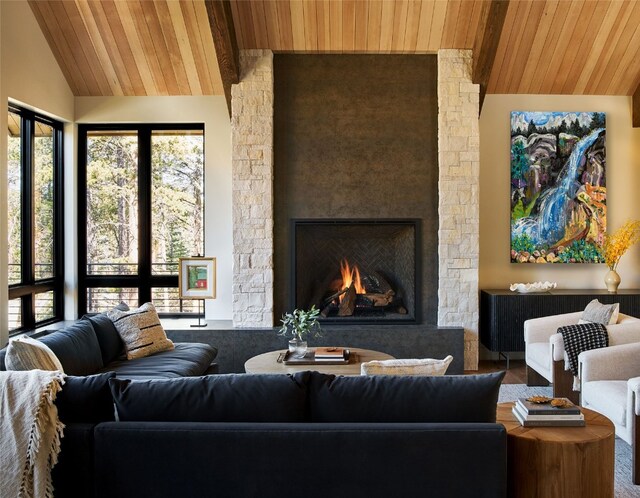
column 236, row 346
column 459, row 165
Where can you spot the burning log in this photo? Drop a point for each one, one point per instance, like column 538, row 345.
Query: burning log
column 330, row 299
column 381, row 299
column 348, row 303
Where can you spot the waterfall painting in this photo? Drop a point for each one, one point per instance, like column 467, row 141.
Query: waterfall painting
column 558, row 187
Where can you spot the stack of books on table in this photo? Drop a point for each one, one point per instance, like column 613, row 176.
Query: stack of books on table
column 329, row 354
column 531, row 414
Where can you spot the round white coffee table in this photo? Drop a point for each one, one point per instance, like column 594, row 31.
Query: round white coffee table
column 267, row 363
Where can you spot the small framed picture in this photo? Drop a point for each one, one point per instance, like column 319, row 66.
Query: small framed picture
column 197, row 278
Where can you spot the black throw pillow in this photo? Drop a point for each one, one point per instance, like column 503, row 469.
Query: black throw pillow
column 86, row 399
column 111, row 345
column 77, row 348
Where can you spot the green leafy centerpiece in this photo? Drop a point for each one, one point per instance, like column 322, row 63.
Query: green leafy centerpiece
column 299, row 325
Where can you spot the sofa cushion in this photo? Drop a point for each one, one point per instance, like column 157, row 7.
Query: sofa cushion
column 141, row 331
column 608, row 397
column 24, row 353
column 186, row 360
column 215, row 398
column 77, row 348
column 86, row 399
column 450, row 398
column 420, row 366
column 111, row 345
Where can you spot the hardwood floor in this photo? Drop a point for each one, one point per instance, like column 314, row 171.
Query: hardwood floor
column 517, row 373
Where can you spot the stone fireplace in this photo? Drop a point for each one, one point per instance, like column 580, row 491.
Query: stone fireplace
column 448, row 213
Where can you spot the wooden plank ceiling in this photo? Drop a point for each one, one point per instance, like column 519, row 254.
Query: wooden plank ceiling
column 166, row 47
column 131, row 48
column 546, row 46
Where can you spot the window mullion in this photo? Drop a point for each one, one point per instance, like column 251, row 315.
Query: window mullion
column 58, row 220
column 28, row 221
column 82, row 219
column 144, row 213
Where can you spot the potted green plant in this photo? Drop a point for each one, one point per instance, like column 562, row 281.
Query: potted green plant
column 300, row 324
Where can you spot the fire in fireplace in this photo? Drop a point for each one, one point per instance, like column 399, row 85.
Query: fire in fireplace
column 356, row 270
column 352, row 294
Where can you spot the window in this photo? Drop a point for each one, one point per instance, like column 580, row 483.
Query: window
column 35, row 231
column 141, row 208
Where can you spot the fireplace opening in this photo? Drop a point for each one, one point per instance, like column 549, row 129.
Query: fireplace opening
column 356, row 270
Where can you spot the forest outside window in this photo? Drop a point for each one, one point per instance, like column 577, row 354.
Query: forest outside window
column 35, row 218
column 141, row 208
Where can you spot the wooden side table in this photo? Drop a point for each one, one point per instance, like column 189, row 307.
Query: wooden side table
column 267, row 363
column 559, row 462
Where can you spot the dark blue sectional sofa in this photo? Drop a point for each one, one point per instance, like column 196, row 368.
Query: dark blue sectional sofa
column 307, row 435
column 92, row 345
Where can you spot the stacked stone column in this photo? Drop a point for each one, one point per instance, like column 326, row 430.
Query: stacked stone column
column 252, row 165
column 458, row 207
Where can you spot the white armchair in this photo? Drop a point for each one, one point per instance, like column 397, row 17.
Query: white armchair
column 610, row 385
column 544, row 349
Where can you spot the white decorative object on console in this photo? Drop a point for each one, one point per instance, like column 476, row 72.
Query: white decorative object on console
column 533, row 287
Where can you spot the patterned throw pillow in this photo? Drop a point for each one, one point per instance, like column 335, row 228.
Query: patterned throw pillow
column 141, row 331
column 24, row 353
column 596, row 312
column 426, row 366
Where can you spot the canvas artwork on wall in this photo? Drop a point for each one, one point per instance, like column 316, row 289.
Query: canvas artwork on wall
column 558, row 187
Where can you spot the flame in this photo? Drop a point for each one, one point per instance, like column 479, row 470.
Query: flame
column 351, row 276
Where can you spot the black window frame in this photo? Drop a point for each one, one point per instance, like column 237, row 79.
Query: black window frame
column 144, row 280
column 27, row 289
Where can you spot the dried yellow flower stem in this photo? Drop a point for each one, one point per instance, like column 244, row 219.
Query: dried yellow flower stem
column 615, row 245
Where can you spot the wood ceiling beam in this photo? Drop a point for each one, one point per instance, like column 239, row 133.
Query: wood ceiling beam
column 636, row 108
column 485, row 57
column 224, row 39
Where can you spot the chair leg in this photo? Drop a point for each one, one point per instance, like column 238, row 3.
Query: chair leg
column 535, row 379
column 563, row 383
column 635, row 452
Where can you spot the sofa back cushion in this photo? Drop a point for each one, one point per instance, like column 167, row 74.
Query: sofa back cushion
column 111, row 345
column 86, row 399
column 451, row 398
column 77, row 348
column 214, row 398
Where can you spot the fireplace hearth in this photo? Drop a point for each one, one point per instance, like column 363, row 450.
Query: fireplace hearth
column 357, row 271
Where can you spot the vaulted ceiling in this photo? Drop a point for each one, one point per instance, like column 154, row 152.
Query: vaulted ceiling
column 169, row 47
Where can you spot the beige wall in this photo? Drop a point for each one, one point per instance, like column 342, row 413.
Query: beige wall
column 623, row 179
column 29, row 75
column 212, row 111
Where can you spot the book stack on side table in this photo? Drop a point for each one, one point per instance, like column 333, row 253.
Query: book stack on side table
column 554, row 412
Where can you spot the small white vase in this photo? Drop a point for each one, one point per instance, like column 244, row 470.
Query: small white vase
column 612, row 281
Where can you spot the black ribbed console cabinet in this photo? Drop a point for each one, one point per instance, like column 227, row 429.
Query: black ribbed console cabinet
column 503, row 313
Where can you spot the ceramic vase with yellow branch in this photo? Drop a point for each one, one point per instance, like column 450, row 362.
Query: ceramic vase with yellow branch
column 612, row 281
column 613, row 248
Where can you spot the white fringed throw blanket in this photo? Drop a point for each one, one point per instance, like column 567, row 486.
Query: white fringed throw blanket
column 30, row 432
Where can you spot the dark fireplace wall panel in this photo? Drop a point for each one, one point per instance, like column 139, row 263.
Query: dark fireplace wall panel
column 356, row 138
column 388, row 248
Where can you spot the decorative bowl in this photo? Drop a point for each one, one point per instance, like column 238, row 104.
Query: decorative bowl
column 532, row 287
